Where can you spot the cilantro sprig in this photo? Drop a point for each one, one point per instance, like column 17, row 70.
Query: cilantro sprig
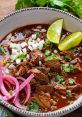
column 72, row 6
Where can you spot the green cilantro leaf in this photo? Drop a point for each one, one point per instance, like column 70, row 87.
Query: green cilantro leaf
column 47, row 52
column 51, row 57
column 67, row 67
column 69, row 93
column 2, row 50
column 60, row 79
column 34, row 107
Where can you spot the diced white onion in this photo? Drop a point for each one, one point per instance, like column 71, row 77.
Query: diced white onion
column 30, row 48
column 34, row 44
column 33, row 36
column 18, row 61
column 55, row 51
column 9, row 36
column 24, row 50
column 43, row 30
column 13, row 57
column 40, row 63
column 14, row 51
column 19, row 36
column 28, row 56
column 24, row 44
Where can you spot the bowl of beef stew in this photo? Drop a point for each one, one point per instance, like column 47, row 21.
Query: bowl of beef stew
column 41, row 62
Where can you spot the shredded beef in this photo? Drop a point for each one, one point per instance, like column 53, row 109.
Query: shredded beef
column 54, row 65
column 35, row 57
column 74, row 88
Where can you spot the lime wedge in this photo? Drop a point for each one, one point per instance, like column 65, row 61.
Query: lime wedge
column 70, row 41
column 54, row 31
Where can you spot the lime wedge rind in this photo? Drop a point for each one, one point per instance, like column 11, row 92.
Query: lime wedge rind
column 70, row 41
column 54, row 31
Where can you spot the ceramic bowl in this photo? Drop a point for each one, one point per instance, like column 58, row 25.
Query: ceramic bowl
column 40, row 16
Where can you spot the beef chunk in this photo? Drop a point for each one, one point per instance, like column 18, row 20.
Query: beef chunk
column 78, row 67
column 42, row 78
column 53, row 65
column 44, row 69
column 45, row 88
column 39, row 76
column 21, row 71
column 60, row 89
column 44, row 100
column 64, row 53
column 74, row 88
column 35, row 57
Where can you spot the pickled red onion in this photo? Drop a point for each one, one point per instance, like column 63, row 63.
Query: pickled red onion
column 27, row 81
column 18, row 87
column 27, row 89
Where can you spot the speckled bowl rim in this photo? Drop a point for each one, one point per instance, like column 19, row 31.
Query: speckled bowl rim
column 61, row 111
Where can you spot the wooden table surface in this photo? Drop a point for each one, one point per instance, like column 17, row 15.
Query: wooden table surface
column 6, row 7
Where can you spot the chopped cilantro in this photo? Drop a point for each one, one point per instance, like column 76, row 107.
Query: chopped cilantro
column 34, row 107
column 67, row 67
column 68, row 57
column 49, row 74
column 71, row 81
column 51, row 57
column 47, row 52
column 69, row 93
column 60, row 79
column 22, row 56
column 37, row 34
column 74, row 51
column 2, row 50
column 47, row 43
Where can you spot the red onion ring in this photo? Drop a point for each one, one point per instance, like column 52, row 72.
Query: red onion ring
column 12, row 80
